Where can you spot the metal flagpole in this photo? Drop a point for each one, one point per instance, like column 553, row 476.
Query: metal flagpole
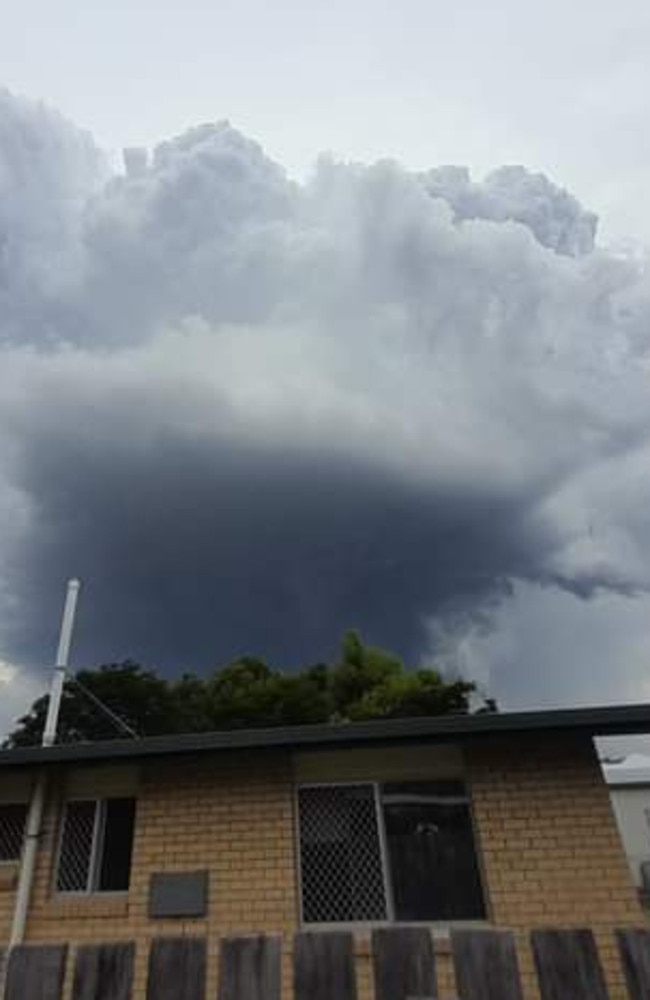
column 61, row 666
column 37, row 805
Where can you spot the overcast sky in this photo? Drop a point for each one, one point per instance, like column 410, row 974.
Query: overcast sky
column 252, row 399
column 561, row 87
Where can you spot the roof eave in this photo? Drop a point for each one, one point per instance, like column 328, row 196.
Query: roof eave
column 598, row 721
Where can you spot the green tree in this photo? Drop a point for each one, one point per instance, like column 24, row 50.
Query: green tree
column 191, row 705
column 423, row 692
column 250, row 693
column 365, row 683
column 360, row 671
column 245, row 693
column 139, row 697
column 305, row 697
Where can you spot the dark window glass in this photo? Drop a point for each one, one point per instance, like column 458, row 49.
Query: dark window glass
column 117, row 845
column 341, row 871
column 76, row 847
column 12, row 828
column 432, row 859
column 96, row 846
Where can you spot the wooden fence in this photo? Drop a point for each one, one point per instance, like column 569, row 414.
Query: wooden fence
column 567, row 967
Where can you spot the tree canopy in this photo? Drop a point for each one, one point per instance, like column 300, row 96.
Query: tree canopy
column 365, row 683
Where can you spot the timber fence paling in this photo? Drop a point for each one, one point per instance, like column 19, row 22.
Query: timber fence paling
column 104, row 972
column 567, row 966
column 634, row 948
column 177, row 968
column 250, row 968
column 485, row 964
column 404, row 963
column 35, row 972
column 324, row 966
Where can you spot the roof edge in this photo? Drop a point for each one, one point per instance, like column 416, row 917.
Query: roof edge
column 594, row 721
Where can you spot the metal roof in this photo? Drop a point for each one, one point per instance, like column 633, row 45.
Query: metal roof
column 600, row 721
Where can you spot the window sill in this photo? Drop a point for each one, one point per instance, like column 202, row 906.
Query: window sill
column 96, row 904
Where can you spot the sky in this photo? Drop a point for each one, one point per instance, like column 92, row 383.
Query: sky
column 562, row 88
column 264, row 381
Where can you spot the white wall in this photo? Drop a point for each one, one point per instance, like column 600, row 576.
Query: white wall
column 632, row 810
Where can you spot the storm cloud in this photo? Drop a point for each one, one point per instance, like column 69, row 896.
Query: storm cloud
column 250, row 413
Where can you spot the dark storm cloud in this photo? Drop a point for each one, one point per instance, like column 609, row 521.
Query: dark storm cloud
column 195, row 552
column 251, row 413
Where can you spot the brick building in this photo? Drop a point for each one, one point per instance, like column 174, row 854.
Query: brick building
column 491, row 820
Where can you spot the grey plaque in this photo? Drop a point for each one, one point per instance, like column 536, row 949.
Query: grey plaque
column 178, row 894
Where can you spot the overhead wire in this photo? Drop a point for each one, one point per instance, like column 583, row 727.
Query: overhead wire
column 113, row 716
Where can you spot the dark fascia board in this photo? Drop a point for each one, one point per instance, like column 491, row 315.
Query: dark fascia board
column 602, row 721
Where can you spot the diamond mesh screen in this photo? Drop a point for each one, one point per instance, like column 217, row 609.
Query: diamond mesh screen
column 76, row 847
column 12, row 826
column 341, row 868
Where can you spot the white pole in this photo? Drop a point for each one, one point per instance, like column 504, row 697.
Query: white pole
column 28, row 861
column 63, row 652
column 37, row 805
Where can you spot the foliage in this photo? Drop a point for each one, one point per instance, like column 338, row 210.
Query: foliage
column 141, row 699
column 365, row 683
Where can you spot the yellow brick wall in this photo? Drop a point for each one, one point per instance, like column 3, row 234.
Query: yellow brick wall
column 231, row 816
column 547, row 839
column 549, row 845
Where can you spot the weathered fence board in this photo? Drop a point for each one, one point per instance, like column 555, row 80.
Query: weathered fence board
column 104, row 972
column 35, row 972
column 403, row 958
column 634, row 946
column 177, row 969
column 249, row 968
column 403, row 963
column 323, row 967
column 486, row 967
column 568, row 966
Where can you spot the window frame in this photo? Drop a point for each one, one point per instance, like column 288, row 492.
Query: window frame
column 96, row 849
column 390, row 919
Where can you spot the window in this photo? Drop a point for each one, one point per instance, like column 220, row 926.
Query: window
column 12, row 828
column 342, row 871
column 96, row 846
column 402, row 851
column 431, row 855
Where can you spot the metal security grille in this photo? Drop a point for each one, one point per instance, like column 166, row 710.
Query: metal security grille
column 77, row 847
column 341, row 858
column 12, row 827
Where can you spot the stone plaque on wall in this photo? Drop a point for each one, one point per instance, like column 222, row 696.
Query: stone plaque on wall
column 178, row 894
